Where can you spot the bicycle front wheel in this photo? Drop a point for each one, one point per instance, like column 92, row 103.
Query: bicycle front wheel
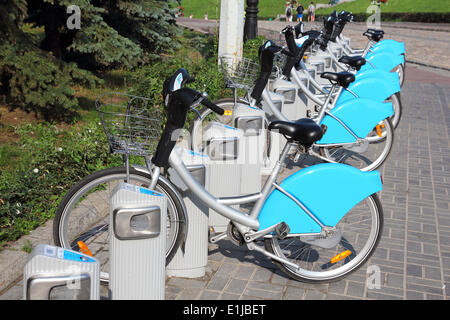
column 83, row 214
column 361, row 230
column 206, row 116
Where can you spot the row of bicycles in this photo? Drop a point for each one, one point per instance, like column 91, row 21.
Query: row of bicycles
column 317, row 96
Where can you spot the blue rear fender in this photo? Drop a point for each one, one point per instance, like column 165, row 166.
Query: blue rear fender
column 373, row 84
column 399, row 46
column 360, row 115
column 388, row 47
column 389, row 77
column 384, row 60
column 328, row 190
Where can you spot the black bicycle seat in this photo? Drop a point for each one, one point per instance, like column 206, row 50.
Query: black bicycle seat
column 375, row 35
column 355, row 62
column 342, row 78
column 304, row 131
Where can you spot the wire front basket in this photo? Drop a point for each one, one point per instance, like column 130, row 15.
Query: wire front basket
column 239, row 73
column 279, row 61
column 133, row 125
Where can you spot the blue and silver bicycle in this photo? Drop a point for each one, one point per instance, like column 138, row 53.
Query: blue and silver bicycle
column 317, row 225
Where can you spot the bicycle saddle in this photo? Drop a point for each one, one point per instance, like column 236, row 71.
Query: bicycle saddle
column 342, row 78
column 375, row 35
column 304, row 131
column 355, row 62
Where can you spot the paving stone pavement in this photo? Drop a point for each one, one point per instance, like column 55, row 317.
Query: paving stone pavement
column 414, row 252
column 413, row 255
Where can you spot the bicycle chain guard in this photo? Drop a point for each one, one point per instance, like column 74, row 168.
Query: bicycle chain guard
column 360, row 146
column 322, row 240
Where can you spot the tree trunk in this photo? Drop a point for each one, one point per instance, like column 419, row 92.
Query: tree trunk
column 52, row 25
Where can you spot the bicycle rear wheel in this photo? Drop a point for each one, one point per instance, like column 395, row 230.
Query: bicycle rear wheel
column 378, row 149
column 83, row 214
column 361, row 230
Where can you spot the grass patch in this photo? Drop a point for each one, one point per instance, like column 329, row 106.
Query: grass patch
column 267, row 8
column 409, row 6
column 270, row 8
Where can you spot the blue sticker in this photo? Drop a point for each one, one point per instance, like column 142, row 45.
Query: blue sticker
column 193, row 153
column 150, row 192
column 70, row 255
column 229, row 127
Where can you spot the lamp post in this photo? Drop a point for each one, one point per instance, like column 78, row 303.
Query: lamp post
column 251, row 20
column 231, row 28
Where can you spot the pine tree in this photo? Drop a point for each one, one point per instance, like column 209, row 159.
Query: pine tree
column 30, row 78
column 38, row 76
column 113, row 33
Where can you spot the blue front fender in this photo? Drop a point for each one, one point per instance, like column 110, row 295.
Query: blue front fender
column 360, row 115
column 384, row 60
column 328, row 190
column 373, row 84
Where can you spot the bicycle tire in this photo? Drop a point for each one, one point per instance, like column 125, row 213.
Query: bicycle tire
column 85, row 188
column 350, row 265
column 388, row 138
column 197, row 124
column 397, row 105
column 226, row 104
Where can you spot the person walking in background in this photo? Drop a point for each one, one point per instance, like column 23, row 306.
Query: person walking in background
column 300, row 10
column 311, row 12
column 288, row 12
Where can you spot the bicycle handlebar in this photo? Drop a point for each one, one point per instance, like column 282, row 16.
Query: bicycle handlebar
column 212, row 106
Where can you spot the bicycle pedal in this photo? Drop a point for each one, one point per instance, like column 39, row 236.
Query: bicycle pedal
column 282, row 230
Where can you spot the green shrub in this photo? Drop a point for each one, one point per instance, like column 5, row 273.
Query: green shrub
column 31, row 192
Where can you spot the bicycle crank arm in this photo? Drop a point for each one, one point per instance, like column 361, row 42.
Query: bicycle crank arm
column 218, row 237
column 249, row 237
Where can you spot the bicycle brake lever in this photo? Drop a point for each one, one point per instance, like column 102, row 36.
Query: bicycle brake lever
column 196, row 111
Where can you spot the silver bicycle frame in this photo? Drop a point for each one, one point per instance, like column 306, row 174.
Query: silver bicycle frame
column 243, row 221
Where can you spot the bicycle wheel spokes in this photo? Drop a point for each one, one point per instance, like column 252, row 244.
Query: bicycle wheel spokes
column 199, row 125
column 86, row 218
column 360, row 230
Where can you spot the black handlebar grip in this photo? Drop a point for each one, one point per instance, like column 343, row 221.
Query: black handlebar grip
column 260, row 84
column 177, row 109
column 213, row 106
column 190, row 79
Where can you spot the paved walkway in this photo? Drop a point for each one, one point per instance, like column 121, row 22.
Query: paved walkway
column 426, row 44
column 414, row 252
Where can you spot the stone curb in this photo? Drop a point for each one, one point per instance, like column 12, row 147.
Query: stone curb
column 13, row 258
